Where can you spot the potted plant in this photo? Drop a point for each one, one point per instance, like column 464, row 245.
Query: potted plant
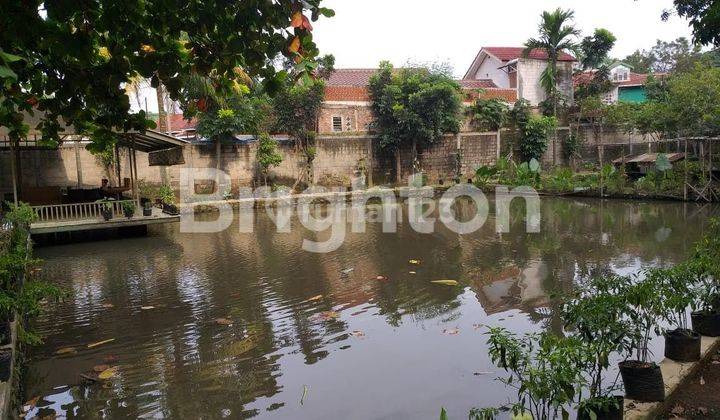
column 545, row 369
column 147, row 209
column 167, row 199
column 596, row 315
column 128, row 208
column 641, row 377
column 106, row 209
column 674, row 285
column 705, row 268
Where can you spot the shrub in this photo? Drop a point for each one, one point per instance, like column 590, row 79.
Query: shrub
column 534, row 137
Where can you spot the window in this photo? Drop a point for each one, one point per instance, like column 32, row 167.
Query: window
column 337, row 124
column 621, row 75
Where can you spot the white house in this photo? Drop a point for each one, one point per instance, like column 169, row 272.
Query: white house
column 507, row 68
column 627, row 86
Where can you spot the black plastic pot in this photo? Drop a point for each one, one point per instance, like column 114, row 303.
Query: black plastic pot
column 107, row 214
column 616, row 412
column 147, row 211
column 643, row 381
column 5, row 365
column 5, row 332
column 682, row 345
column 706, row 323
column 129, row 213
column 170, row 209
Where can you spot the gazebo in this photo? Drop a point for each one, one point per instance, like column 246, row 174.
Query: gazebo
column 82, row 212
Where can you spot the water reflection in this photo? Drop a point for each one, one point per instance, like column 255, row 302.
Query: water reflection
column 360, row 347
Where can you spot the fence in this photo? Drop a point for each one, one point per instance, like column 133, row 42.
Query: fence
column 78, row 211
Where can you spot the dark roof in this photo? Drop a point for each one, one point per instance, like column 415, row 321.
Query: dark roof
column 512, row 53
column 150, row 141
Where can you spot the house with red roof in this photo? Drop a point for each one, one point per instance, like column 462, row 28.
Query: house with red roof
column 509, row 68
column 347, row 102
column 628, row 86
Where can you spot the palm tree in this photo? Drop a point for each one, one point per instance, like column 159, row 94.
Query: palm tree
column 556, row 35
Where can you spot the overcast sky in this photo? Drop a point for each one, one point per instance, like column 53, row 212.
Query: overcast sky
column 363, row 32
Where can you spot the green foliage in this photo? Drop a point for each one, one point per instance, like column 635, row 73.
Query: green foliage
column 128, row 207
column 267, row 154
column 545, row 369
column 704, row 17
column 694, row 101
column 572, row 144
column 559, row 180
column 674, row 56
column 483, row 175
column 166, row 194
column 483, row 413
column 16, row 262
column 595, row 48
column 413, row 106
column 520, row 114
column 534, row 136
column 488, row 114
column 71, row 59
column 296, row 108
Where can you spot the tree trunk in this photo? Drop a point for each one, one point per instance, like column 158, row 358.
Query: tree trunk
column 15, row 167
column 218, row 153
column 398, row 167
column 163, row 117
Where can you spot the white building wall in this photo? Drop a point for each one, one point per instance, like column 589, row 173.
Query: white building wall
column 529, row 74
column 489, row 69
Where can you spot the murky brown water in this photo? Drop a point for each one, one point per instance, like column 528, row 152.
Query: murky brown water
column 366, row 349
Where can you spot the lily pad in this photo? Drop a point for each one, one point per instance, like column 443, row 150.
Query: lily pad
column 66, row 350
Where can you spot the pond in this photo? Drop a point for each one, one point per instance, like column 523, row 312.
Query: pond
column 243, row 325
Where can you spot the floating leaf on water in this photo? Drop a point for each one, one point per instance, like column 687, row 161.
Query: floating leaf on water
column 312, row 299
column 101, row 368
column 358, row 333
column 328, row 315
column 412, row 272
column 89, row 378
column 100, row 343
column 482, row 373
column 414, row 262
column 223, row 321
column 381, row 278
column 446, row 282
column 304, row 394
column 66, row 350
column 147, row 308
column 702, row 380
column 108, row 305
column 108, row 373
column 478, row 326
column 347, row 270
column 451, row 331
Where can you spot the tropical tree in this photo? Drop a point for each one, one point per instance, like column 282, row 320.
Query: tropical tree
column 70, row 60
column 704, row 16
column 556, row 35
column 413, row 107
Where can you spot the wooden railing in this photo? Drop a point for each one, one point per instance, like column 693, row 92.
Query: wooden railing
column 78, row 211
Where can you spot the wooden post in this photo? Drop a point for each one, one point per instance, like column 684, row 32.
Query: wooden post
column 369, row 163
column 13, row 170
column 132, row 172
column 117, row 165
column 137, row 191
column 78, row 165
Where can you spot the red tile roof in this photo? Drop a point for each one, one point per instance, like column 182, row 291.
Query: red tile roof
column 179, row 123
column 636, row 79
column 350, row 77
column 507, row 95
column 512, row 53
column 477, row 84
column 346, row 93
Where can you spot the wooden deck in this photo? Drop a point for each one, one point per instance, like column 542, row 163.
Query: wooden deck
column 96, row 223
